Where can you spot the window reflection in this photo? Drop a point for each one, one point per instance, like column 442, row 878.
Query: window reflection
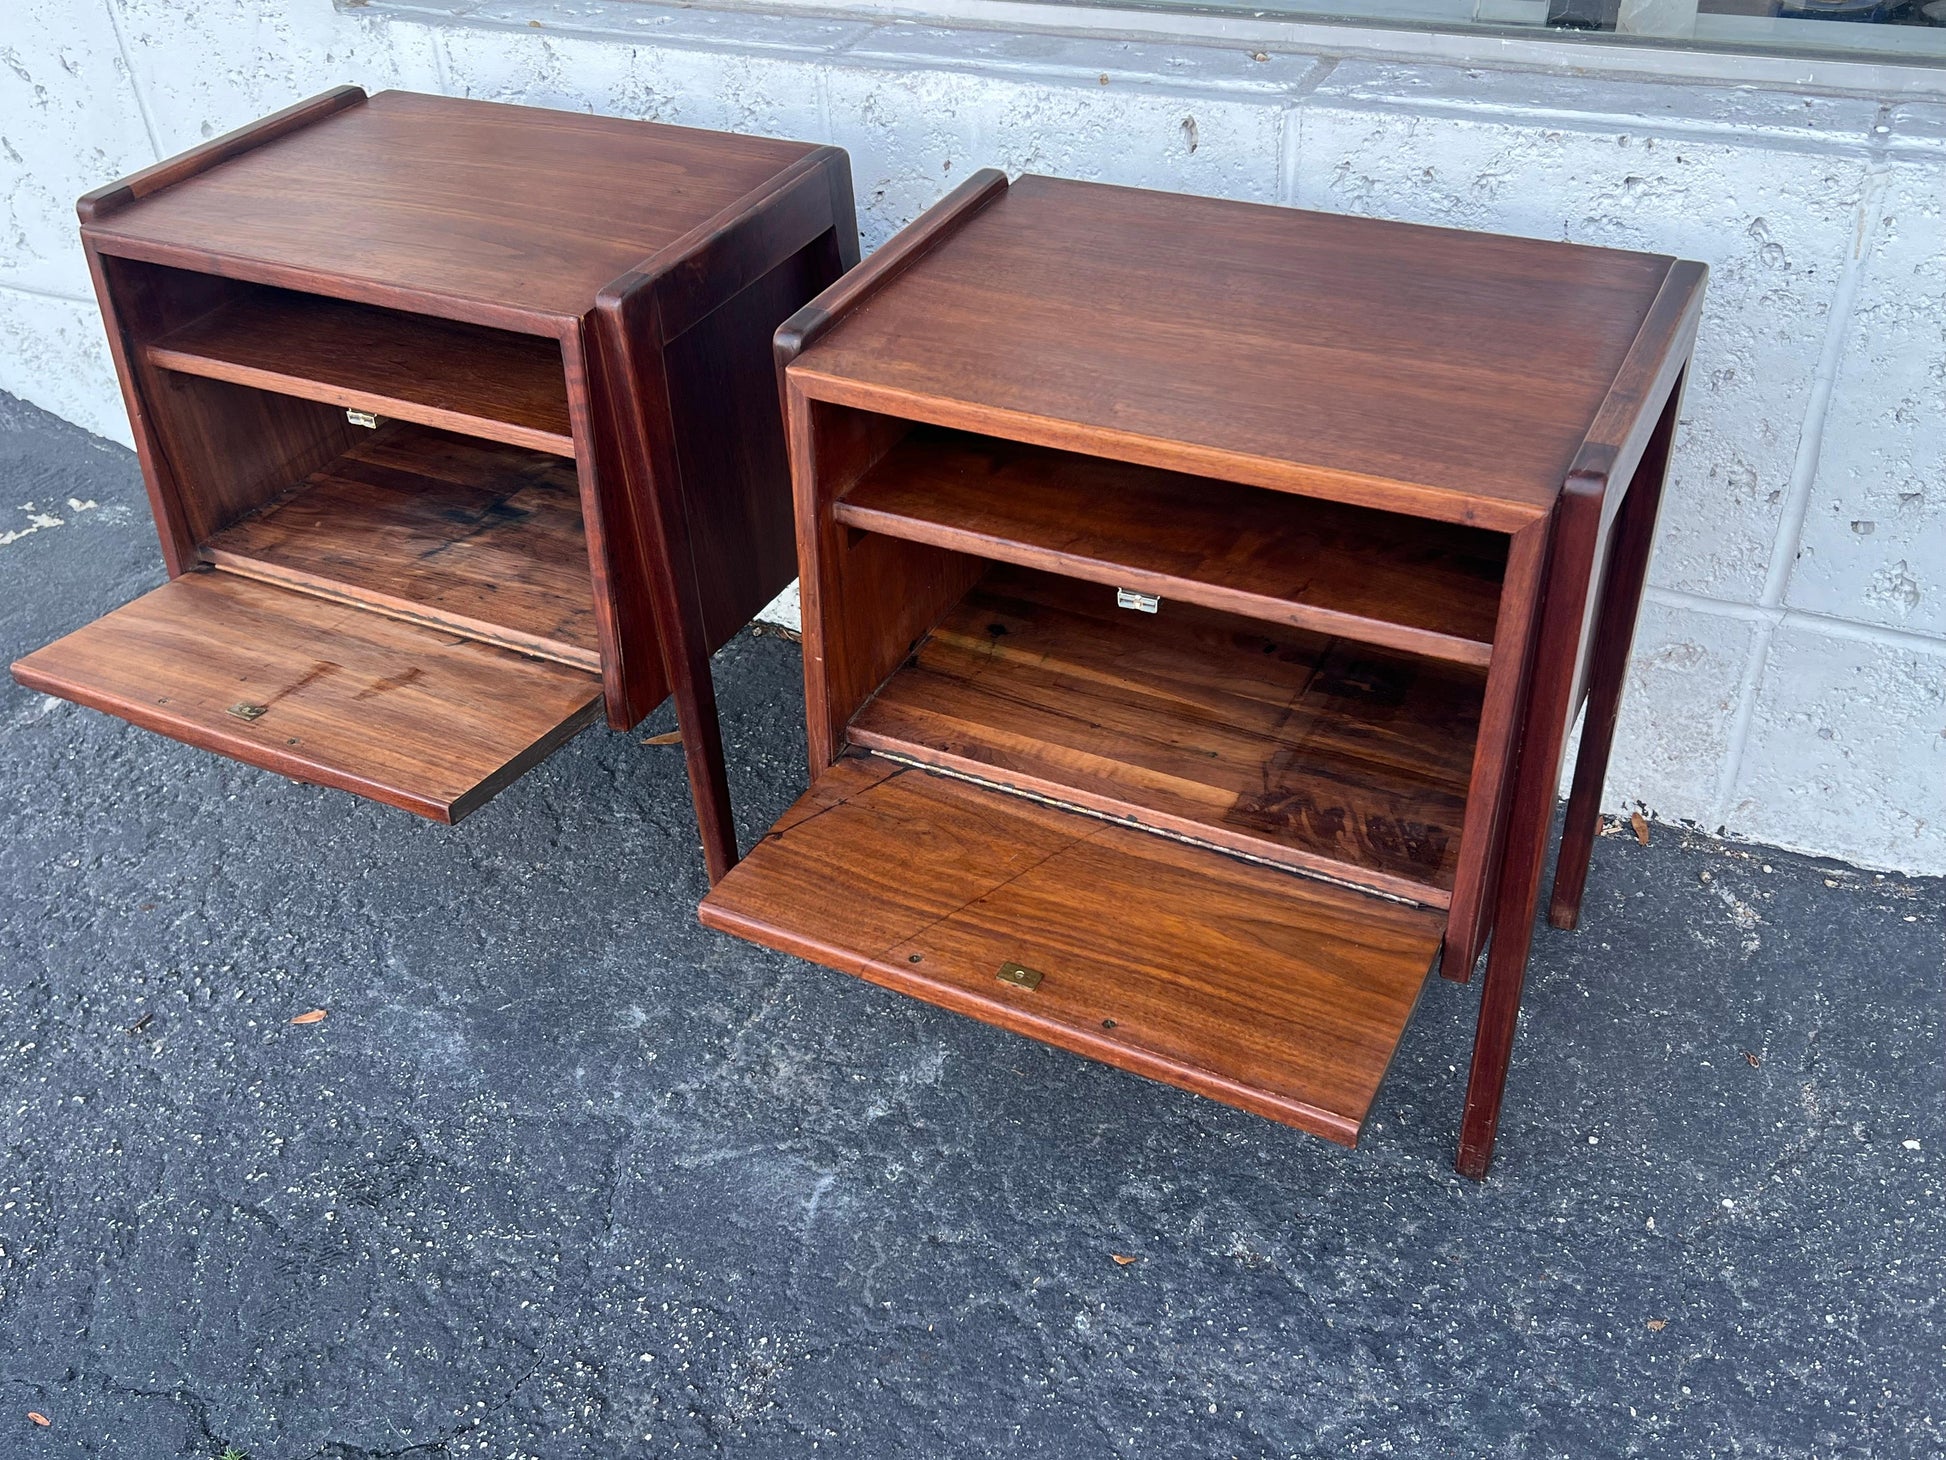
column 1864, row 29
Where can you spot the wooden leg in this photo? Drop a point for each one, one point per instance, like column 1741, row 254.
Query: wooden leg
column 702, row 748
column 685, row 650
column 1537, row 767
column 630, row 350
column 1621, row 595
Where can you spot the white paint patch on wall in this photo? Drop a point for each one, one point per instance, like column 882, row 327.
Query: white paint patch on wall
column 1790, row 666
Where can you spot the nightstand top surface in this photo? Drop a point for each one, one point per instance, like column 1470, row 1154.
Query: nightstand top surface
column 1452, row 373
column 515, row 207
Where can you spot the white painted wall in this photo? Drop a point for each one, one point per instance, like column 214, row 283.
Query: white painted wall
column 1789, row 680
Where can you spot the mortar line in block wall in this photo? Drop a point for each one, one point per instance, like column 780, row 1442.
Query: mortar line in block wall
column 847, row 44
column 1804, row 469
column 440, row 70
column 62, row 295
column 1289, row 137
column 1823, row 623
column 821, row 99
column 134, row 86
column 1290, row 129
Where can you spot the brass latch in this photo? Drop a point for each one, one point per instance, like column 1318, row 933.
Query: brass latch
column 1020, row 978
column 1140, row 602
column 244, row 710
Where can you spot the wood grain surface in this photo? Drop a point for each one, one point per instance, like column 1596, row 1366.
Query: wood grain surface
column 600, row 289
column 444, row 530
column 526, row 210
column 1448, row 374
column 1403, row 582
column 1252, row 986
column 1307, row 750
column 490, row 383
column 349, row 698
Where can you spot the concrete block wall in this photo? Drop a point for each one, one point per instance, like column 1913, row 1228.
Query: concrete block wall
column 1789, row 679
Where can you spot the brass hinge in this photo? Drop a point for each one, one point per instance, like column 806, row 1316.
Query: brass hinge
column 244, row 710
column 368, row 419
column 1020, row 978
column 1140, row 602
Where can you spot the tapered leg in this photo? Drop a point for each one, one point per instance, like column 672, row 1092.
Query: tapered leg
column 1537, row 766
column 632, row 370
column 1621, row 595
column 685, row 650
column 702, row 748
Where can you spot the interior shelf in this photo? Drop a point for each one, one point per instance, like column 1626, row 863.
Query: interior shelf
column 485, row 382
column 486, row 541
column 1308, row 751
column 1278, row 994
column 1405, row 583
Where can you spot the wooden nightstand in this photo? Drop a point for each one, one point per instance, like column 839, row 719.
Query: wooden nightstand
column 460, row 427
column 1195, row 597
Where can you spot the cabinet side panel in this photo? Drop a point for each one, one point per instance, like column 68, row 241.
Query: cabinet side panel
column 213, row 452
column 635, row 677
column 730, row 441
column 868, row 599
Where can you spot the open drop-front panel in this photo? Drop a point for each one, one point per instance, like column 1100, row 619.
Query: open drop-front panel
column 320, row 691
column 1280, row 994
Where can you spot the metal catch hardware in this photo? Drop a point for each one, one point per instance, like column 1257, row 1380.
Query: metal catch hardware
column 1140, row 602
column 244, row 710
column 1020, row 978
column 368, row 419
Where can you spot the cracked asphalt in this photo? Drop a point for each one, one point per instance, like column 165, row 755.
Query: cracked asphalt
column 562, row 1174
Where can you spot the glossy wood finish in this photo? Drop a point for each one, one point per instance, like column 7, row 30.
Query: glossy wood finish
column 438, row 529
column 1647, row 392
column 1489, row 791
column 523, row 213
column 1399, row 582
column 730, row 276
column 1281, row 995
column 487, row 383
column 1310, row 751
column 1415, row 369
column 1099, row 383
column 399, row 713
column 96, row 205
column 594, row 288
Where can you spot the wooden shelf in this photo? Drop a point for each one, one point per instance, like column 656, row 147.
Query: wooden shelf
column 1275, row 993
column 1308, row 751
column 491, row 383
column 1402, row 582
column 482, row 540
column 319, row 692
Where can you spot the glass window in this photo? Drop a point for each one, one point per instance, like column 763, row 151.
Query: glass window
column 1884, row 30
